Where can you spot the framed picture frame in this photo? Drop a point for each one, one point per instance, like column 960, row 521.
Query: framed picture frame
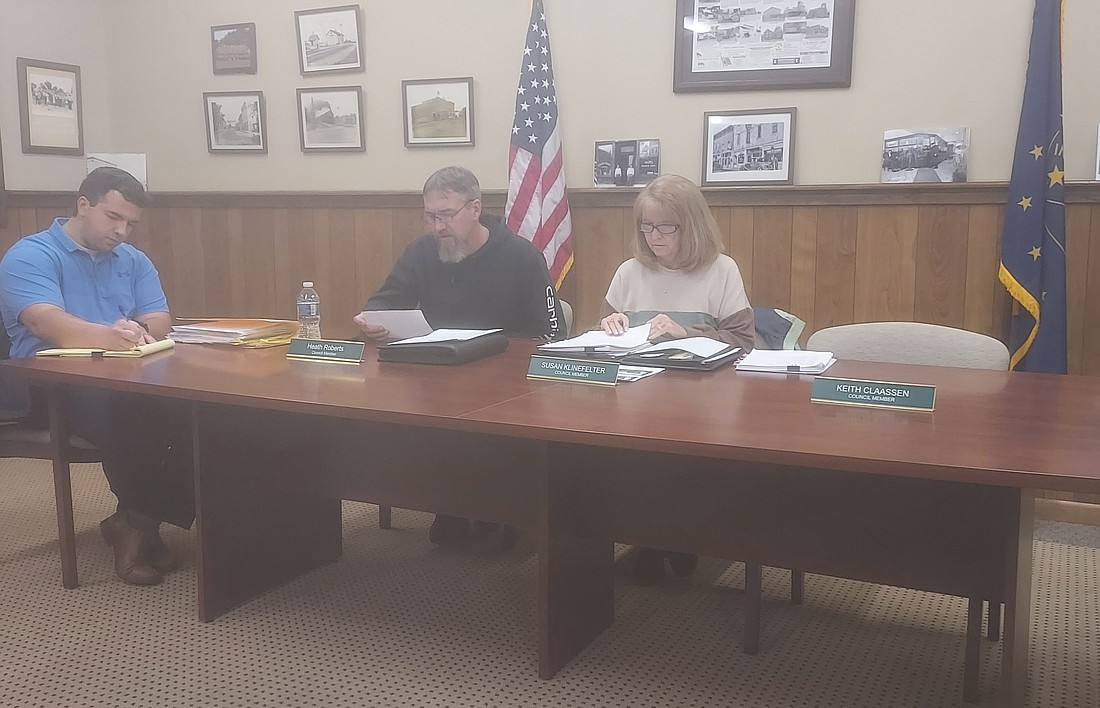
column 757, row 46
column 748, row 147
column 1098, row 153
column 330, row 39
column 439, row 112
column 51, row 116
column 233, row 48
column 331, row 119
column 236, row 122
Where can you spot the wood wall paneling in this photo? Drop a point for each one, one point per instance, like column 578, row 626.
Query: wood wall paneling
column 829, row 255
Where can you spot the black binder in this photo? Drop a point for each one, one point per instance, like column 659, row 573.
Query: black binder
column 449, row 353
column 665, row 358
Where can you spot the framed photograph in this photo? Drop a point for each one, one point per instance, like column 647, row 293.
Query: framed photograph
column 235, row 122
column 233, row 48
column 51, row 119
column 929, row 155
column 748, row 147
column 439, row 112
column 741, row 46
column 331, row 119
column 1098, row 153
column 329, row 39
column 626, row 163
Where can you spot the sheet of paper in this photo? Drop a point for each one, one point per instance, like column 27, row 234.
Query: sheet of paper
column 401, row 324
column 445, row 335
column 636, row 373
column 597, row 338
column 699, row 346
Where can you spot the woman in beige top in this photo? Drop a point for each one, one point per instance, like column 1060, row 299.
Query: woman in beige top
column 681, row 283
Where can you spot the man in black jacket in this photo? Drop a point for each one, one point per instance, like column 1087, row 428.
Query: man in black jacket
column 470, row 272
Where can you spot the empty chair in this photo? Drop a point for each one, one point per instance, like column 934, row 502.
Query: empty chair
column 927, row 344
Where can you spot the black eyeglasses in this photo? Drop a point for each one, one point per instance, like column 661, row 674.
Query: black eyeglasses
column 666, row 229
column 445, row 217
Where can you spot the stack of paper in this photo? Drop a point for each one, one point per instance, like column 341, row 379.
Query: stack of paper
column 786, row 361
column 598, row 341
column 243, row 332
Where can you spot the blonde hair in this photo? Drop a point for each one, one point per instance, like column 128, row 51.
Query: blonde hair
column 700, row 240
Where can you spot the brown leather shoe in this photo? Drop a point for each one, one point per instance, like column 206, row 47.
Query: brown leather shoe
column 130, row 545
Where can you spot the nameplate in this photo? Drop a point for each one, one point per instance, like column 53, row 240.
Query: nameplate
column 874, row 394
column 573, row 370
column 326, row 350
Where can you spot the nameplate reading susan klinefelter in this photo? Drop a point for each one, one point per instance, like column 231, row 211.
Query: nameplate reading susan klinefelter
column 874, row 394
column 333, row 350
column 573, row 370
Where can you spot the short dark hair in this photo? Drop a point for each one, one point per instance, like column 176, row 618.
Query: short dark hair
column 106, row 179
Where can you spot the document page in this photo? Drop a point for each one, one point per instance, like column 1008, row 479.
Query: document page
column 401, row 324
column 786, row 361
column 598, row 340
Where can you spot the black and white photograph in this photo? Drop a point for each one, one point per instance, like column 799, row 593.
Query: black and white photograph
column 603, row 164
column 331, row 119
column 738, row 45
column 626, row 163
column 329, row 39
column 439, row 112
column 233, row 48
column 748, row 147
column 235, row 122
column 931, row 155
column 50, row 115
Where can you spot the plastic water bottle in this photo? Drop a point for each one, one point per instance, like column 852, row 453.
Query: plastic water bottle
column 309, row 312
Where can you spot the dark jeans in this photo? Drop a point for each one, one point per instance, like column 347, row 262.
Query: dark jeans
column 146, row 443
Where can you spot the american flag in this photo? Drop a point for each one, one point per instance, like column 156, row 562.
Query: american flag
column 537, row 207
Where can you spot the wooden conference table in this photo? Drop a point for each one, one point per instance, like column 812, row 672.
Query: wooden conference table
column 727, row 464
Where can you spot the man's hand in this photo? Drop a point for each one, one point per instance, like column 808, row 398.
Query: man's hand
column 126, row 334
column 370, row 331
column 665, row 326
column 616, row 323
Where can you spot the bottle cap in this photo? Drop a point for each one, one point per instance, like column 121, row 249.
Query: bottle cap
column 307, row 284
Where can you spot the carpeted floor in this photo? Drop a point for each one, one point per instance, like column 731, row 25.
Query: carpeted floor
column 396, row 622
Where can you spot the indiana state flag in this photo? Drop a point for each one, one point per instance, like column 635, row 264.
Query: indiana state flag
column 1033, row 250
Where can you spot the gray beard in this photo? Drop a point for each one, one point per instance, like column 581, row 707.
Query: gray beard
column 451, row 251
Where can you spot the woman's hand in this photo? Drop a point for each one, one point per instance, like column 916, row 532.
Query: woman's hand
column 665, row 326
column 616, row 323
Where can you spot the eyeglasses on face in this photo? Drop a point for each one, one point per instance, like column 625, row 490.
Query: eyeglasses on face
column 665, row 229
column 445, row 217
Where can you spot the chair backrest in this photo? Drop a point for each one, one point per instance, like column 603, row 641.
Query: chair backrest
column 567, row 312
column 911, row 343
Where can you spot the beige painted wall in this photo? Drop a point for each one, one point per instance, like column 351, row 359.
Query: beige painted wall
column 66, row 31
column 613, row 62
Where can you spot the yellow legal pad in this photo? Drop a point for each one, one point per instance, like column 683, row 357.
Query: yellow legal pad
column 138, row 351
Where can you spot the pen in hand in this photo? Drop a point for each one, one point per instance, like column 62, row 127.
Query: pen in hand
column 147, row 336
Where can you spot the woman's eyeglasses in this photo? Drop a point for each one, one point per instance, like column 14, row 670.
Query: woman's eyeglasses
column 666, row 229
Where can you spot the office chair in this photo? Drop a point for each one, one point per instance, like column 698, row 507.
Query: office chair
column 919, row 343
column 20, row 438
column 385, row 513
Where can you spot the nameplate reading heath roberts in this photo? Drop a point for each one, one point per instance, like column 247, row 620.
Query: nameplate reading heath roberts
column 573, row 370
column 333, row 350
column 874, row 394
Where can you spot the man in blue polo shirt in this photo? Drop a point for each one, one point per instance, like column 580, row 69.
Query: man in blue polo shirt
column 79, row 284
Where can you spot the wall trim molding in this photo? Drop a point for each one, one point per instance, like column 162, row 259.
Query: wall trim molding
column 808, row 195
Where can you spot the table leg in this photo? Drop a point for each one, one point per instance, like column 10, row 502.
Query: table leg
column 254, row 531
column 576, row 593
column 1017, row 618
